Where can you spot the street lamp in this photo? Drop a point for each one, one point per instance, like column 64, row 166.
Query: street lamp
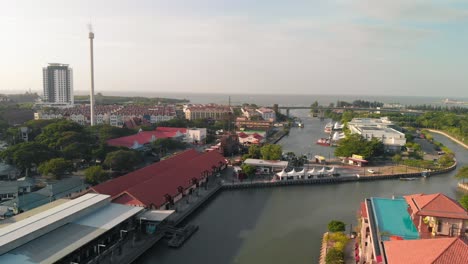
column 99, row 246
column 122, row 231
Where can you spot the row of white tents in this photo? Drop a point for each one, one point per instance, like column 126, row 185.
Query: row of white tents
column 293, row 174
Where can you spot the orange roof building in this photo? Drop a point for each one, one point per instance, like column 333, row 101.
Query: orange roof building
column 450, row 250
column 417, row 228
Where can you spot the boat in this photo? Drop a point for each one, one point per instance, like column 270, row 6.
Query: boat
column 338, row 126
column 408, row 179
column 328, row 128
column 181, row 236
column 323, row 142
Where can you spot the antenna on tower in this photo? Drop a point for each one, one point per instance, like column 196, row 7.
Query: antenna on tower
column 91, row 95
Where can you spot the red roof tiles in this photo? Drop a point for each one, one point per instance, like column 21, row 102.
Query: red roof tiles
column 145, row 137
column 437, row 205
column 149, row 185
column 436, row 251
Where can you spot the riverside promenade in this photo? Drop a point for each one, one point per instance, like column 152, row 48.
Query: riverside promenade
column 450, row 137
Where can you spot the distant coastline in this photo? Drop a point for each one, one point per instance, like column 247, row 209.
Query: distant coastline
column 283, row 99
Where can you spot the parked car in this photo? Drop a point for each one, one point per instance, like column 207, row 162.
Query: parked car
column 371, row 171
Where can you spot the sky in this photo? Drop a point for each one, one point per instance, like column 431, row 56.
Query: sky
column 364, row 47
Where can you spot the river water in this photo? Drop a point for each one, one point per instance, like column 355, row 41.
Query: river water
column 285, row 225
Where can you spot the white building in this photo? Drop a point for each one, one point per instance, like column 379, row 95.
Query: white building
column 267, row 114
column 378, row 128
column 58, row 84
column 195, row 135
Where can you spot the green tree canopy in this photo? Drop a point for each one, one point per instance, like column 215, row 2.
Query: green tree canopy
column 336, row 226
column 462, row 173
column 464, row 201
column 249, row 170
column 334, row 256
column 168, row 143
column 271, row 152
column 356, row 144
column 27, row 155
column 122, row 160
column 397, row 158
column 56, row 167
column 254, row 151
column 96, row 174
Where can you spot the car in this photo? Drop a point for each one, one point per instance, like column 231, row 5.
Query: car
column 371, row 171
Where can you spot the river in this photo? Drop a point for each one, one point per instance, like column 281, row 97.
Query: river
column 285, row 225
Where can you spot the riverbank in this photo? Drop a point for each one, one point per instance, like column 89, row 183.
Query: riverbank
column 449, row 136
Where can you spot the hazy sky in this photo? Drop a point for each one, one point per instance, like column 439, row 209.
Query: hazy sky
column 385, row 47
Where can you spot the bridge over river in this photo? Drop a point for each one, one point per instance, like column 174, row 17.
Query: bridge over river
column 322, row 109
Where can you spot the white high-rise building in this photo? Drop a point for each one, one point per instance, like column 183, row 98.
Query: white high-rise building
column 58, row 84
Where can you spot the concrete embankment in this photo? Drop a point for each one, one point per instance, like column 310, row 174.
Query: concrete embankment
column 323, row 249
column 328, row 180
column 463, row 186
column 447, row 135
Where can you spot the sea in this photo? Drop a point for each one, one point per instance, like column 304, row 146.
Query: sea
column 290, row 99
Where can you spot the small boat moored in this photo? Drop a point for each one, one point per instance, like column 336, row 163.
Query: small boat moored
column 323, row 142
column 408, row 179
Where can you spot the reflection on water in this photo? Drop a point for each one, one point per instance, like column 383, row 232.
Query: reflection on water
column 285, row 225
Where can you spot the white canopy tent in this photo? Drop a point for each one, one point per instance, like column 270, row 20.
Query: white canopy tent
column 282, row 174
column 331, row 170
column 321, row 171
column 311, row 172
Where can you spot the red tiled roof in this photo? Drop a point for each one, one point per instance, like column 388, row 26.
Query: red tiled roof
column 437, row 251
column 436, row 205
column 149, row 185
column 242, row 135
column 145, row 137
column 120, row 184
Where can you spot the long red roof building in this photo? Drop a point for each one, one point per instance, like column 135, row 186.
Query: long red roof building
column 149, row 186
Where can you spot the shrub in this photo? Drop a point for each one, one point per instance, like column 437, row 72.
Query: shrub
column 334, row 256
column 336, row 226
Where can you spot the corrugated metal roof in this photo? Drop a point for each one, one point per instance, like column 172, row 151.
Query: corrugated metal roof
column 62, row 241
column 23, row 231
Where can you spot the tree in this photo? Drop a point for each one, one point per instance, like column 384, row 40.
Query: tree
column 356, row 144
column 57, row 167
column 446, row 160
column 249, row 170
column 464, row 201
column 27, row 155
column 271, row 152
column 122, row 160
column 336, row 226
column 334, row 256
column 168, row 144
column 254, row 152
column 462, row 173
column 95, row 174
column 397, row 158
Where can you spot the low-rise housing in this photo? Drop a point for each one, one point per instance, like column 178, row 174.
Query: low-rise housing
column 413, row 229
column 142, row 138
column 207, row 111
column 251, row 138
column 115, row 115
column 267, row 114
column 261, row 125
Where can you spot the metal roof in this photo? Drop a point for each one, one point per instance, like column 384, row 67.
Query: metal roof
column 270, row 163
column 64, row 240
column 28, row 229
column 156, row 215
